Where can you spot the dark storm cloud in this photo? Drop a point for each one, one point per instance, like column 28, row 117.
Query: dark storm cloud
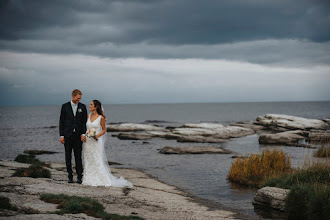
column 164, row 22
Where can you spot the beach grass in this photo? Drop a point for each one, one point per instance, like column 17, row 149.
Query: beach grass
column 308, row 201
column 316, row 173
column 255, row 169
column 323, row 151
column 309, row 196
column 75, row 204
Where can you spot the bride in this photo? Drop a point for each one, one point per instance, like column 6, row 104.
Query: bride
column 96, row 169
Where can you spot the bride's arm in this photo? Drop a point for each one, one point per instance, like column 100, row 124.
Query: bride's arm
column 103, row 128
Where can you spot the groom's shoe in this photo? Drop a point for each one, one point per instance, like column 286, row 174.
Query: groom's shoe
column 79, row 179
column 70, row 179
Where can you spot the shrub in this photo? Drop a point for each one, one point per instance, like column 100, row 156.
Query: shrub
column 317, row 173
column 308, row 202
column 75, row 204
column 323, row 151
column 5, row 203
column 256, row 168
column 34, row 171
column 30, row 159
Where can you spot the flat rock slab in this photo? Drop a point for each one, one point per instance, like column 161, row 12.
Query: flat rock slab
column 133, row 127
column 271, row 196
column 213, row 130
column 251, row 125
column 193, row 150
column 290, row 122
column 149, row 198
column 199, row 139
column 289, row 138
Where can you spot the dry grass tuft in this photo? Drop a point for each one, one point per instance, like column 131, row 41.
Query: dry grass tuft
column 255, row 169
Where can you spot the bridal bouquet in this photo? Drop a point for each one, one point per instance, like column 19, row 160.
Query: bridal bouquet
column 91, row 133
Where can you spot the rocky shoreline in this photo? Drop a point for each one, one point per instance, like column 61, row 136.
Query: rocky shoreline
column 273, row 129
column 149, row 198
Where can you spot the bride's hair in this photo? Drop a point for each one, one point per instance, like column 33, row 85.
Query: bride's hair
column 98, row 107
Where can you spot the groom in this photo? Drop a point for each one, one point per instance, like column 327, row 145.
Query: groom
column 72, row 131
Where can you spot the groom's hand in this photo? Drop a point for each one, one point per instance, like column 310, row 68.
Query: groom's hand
column 62, row 140
column 83, row 138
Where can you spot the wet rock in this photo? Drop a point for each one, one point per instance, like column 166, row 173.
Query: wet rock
column 326, row 120
column 271, row 196
column 193, row 150
column 199, row 139
column 204, row 126
column 163, row 134
column 39, row 152
column 289, row 138
column 214, row 130
column 290, row 122
column 132, row 127
column 251, row 125
column 134, row 136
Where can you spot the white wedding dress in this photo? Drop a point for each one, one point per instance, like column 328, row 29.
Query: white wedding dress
column 96, row 168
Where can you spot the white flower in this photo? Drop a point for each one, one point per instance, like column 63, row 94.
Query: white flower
column 79, row 110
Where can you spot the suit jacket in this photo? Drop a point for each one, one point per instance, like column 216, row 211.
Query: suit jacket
column 69, row 122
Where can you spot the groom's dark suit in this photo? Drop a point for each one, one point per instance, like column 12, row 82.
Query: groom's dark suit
column 72, row 127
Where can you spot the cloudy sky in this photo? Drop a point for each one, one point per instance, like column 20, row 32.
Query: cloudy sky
column 164, row 51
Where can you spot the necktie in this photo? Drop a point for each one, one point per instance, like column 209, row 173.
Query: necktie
column 74, row 109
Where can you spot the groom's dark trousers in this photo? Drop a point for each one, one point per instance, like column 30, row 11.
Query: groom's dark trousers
column 72, row 127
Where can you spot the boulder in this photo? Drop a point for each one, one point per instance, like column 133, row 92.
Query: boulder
column 290, row 122
column 132, row 127
column 204, row 126
column 251, row 125
column 193, row 150
column 163, row 134
column 215, row 130
column 199, row 139
column 272, row 197
column 289, row 138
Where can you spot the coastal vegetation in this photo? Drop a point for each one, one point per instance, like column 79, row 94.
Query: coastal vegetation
column 309, row 194
column 75, row 205
column 5, row 204
column 29, row 159
column 255, row 169
column 323, row 151
column 35, row 170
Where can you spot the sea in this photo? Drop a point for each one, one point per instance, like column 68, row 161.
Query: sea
column 203, row 176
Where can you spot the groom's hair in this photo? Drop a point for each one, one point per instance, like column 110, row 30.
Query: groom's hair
column 76, row 92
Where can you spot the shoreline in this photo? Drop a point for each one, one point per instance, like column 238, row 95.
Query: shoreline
column 148, row 198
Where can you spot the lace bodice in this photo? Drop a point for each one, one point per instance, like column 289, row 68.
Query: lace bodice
column 96, row 124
